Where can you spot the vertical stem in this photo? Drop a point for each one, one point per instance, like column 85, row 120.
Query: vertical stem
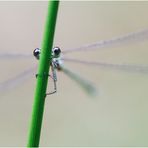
column 42, row 79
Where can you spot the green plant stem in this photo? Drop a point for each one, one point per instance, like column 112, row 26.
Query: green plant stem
column 42, row 79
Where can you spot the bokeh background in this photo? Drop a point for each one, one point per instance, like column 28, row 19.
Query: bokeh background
column 117, row 116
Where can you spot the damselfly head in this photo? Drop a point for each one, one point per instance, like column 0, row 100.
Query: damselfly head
column 36, row 53
column 56, row 51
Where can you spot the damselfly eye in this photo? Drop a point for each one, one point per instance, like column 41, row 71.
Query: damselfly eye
column 36, row 53
column 56, row 52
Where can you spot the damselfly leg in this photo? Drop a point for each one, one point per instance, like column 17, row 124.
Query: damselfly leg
column 54, row 77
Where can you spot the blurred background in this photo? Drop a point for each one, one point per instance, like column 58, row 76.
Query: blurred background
column 117, row 116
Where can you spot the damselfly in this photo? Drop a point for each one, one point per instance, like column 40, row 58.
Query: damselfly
column 57, row 61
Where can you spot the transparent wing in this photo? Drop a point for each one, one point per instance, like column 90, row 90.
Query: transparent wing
column 17, row 80
column 125, row 67
column 22, row 77
column 85, row 84
column 127, row 38
column 15, row 56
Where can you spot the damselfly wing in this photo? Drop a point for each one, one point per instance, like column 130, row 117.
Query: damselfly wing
column 130, row 38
